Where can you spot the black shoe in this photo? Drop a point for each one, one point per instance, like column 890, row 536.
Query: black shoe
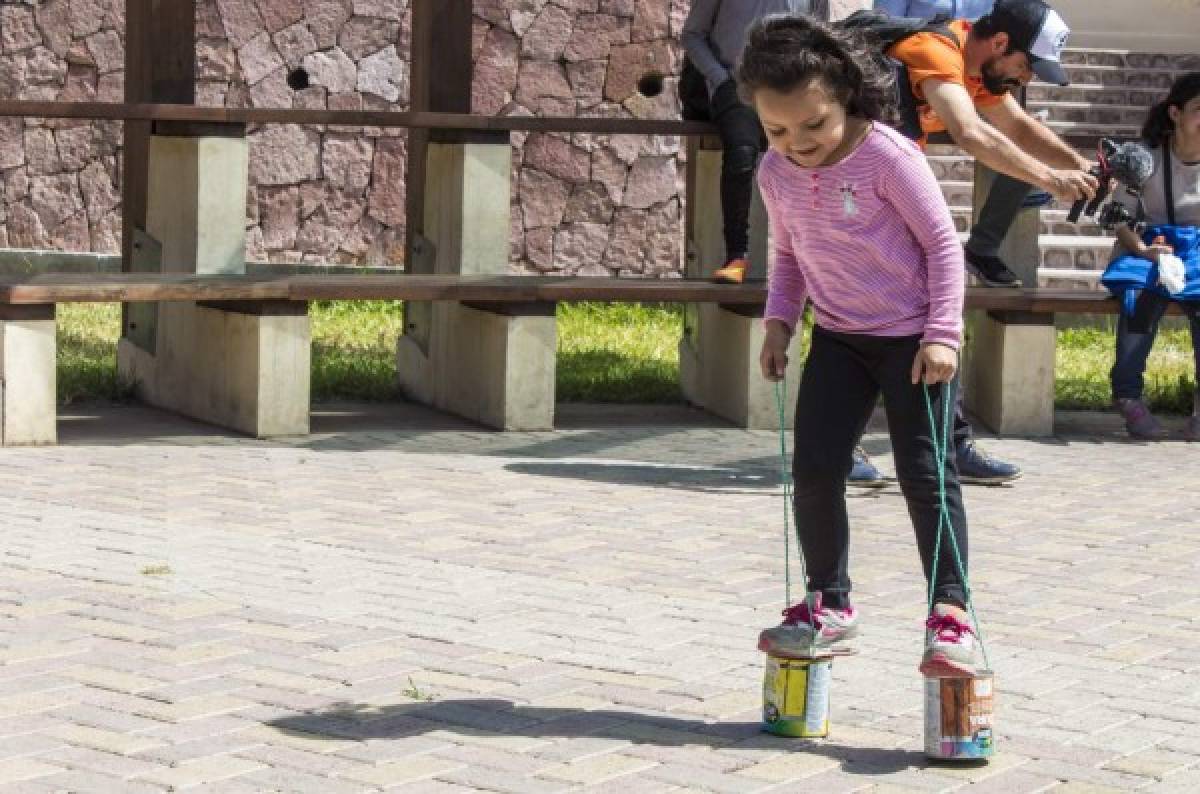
column 991, row 270
column 979, row 468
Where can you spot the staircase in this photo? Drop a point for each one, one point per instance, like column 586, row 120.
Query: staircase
column 1110, row 92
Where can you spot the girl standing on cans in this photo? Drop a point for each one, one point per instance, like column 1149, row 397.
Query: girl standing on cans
column 861, row 231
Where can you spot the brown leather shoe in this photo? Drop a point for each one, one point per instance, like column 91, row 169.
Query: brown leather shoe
column 734, row 271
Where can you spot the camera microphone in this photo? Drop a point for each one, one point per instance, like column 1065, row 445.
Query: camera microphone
column 1132, row 164
column 1129, row 163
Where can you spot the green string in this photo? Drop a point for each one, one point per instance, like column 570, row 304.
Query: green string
column 941, row 445
column 789, row 508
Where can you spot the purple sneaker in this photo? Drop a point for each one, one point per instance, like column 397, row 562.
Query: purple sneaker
column 1139, row 422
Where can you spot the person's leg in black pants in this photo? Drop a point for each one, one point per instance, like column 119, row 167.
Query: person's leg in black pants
column 974, row 465
column 741, row 144
column 996, row 217
column 837, row 391
column 742, row 141
column 917, row 469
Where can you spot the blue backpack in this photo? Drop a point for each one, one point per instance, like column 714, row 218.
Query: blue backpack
column 1127, row 275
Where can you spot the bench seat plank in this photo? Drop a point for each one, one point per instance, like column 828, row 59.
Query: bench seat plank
column 121, row 287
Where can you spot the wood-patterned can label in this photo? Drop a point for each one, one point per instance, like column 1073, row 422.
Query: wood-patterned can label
column 958, row 717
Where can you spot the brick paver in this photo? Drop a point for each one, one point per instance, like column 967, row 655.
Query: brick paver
column 406, row 602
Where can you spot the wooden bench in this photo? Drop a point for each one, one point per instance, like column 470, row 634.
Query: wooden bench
column 233, row 349
column 260, row 384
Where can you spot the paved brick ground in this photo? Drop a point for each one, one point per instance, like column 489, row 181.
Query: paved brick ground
column 408, row 603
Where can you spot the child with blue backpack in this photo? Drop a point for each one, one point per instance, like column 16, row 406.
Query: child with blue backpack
column 1171, row 202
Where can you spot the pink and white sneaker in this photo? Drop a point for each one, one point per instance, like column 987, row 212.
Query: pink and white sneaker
column 795, row 635
column 949, row 644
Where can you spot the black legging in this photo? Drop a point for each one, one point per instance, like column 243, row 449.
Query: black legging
column 843, row 377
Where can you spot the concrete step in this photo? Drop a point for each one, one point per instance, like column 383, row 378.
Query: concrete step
column 1083, row 57
column 1075, row 252
column 1054, row 222
column 1040, row 93
column 1092, row 114
column 1123, row 77
column 1071, row 252
column 1094, row 129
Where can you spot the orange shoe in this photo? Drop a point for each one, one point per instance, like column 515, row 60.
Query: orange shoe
column 734, row 271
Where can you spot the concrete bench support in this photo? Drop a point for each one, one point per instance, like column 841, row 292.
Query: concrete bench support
column 495, row 366
column 244, row 366
column 1010, row 360
column 718, row 355
column 27, row 375
column 1010, row 372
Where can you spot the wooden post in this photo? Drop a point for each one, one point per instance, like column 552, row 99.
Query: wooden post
column 489, row 365
column 184, row 192
column 440, row 81
column 718, row 355
column 160, row 66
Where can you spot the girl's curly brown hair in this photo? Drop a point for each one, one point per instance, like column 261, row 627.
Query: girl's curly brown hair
column 784, row 51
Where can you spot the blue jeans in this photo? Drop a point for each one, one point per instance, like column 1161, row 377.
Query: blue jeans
column 1135, row 337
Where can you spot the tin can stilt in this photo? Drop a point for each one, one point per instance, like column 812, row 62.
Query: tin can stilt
column 958, row 718
column 796, row 696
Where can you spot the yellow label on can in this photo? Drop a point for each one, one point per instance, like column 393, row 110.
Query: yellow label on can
column 794, row 685
column 796, row 696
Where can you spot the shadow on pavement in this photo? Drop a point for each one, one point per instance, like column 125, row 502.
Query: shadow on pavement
column 496, row 716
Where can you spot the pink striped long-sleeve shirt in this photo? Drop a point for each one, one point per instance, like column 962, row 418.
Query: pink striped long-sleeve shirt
column 868, row 240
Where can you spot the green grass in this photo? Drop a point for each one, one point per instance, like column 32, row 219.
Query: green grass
column 87, row 352
column 354, row 349
column 1085, row 356
column 606, row 353
column 622, row 353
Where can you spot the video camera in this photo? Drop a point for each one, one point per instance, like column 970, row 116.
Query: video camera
column 1129, row 163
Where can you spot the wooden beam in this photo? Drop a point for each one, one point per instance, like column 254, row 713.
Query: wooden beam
column 162, row 112
column 160, row 66
column 439, row 81
column 112, row 287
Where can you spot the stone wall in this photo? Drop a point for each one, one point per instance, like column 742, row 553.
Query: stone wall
column 58, row 179
column 581, row 203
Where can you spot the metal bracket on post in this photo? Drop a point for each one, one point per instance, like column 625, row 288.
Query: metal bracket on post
column 418, row 315
column 139, row 321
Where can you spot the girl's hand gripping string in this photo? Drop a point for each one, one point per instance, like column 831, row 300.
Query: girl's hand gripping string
column 935, row 363
column 773, row 359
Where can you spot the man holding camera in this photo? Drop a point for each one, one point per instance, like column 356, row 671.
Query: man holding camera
column 964, row 88
column 960, row 78
column 713, row 36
